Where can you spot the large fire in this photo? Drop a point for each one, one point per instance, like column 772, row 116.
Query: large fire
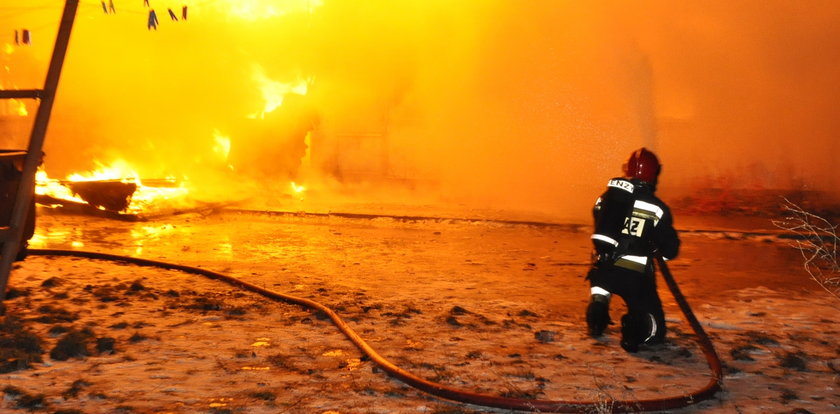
column 149, row 194
column 481, row 104
column 114, row 184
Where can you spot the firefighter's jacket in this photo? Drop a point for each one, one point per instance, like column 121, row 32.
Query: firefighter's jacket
column 632, row 225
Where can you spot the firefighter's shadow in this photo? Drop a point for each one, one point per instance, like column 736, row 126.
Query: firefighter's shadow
column 674, row 351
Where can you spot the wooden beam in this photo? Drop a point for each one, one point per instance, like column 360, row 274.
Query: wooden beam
column 21, row 93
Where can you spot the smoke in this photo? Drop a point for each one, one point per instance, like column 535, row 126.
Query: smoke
column 748, row 93
column 481, row 105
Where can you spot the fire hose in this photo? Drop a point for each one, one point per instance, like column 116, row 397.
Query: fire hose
column 455, row 394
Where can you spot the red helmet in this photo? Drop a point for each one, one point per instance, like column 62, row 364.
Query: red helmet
column 642, row 165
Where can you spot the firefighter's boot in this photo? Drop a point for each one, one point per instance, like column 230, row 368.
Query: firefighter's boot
column 638, row 329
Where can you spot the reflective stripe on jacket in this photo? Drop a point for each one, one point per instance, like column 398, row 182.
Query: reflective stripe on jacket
column 630, row 222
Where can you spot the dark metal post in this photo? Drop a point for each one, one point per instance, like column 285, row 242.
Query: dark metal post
column 36, row 144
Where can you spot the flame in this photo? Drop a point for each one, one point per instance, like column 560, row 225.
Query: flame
column 52, row 187
column 16, row 107
column 221, row 144
column 21, row 107
column 274, row 91
column 144, row 198
column 297, row 190
column 118, row 170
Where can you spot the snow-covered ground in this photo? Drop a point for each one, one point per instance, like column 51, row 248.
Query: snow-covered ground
column 486, row 306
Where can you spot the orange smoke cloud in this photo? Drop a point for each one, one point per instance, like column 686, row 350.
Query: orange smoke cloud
column 484, row 104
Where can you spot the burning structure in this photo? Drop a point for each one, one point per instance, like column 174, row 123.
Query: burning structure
column 476, row 104
column 503, row 105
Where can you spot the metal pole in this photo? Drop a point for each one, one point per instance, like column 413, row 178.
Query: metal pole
column 36, row 143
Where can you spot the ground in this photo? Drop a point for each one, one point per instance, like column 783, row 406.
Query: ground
column 481, row 305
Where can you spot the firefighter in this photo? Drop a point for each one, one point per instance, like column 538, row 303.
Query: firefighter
column 632, row 226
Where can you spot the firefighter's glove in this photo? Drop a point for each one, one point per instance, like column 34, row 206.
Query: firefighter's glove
column 603, row 258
